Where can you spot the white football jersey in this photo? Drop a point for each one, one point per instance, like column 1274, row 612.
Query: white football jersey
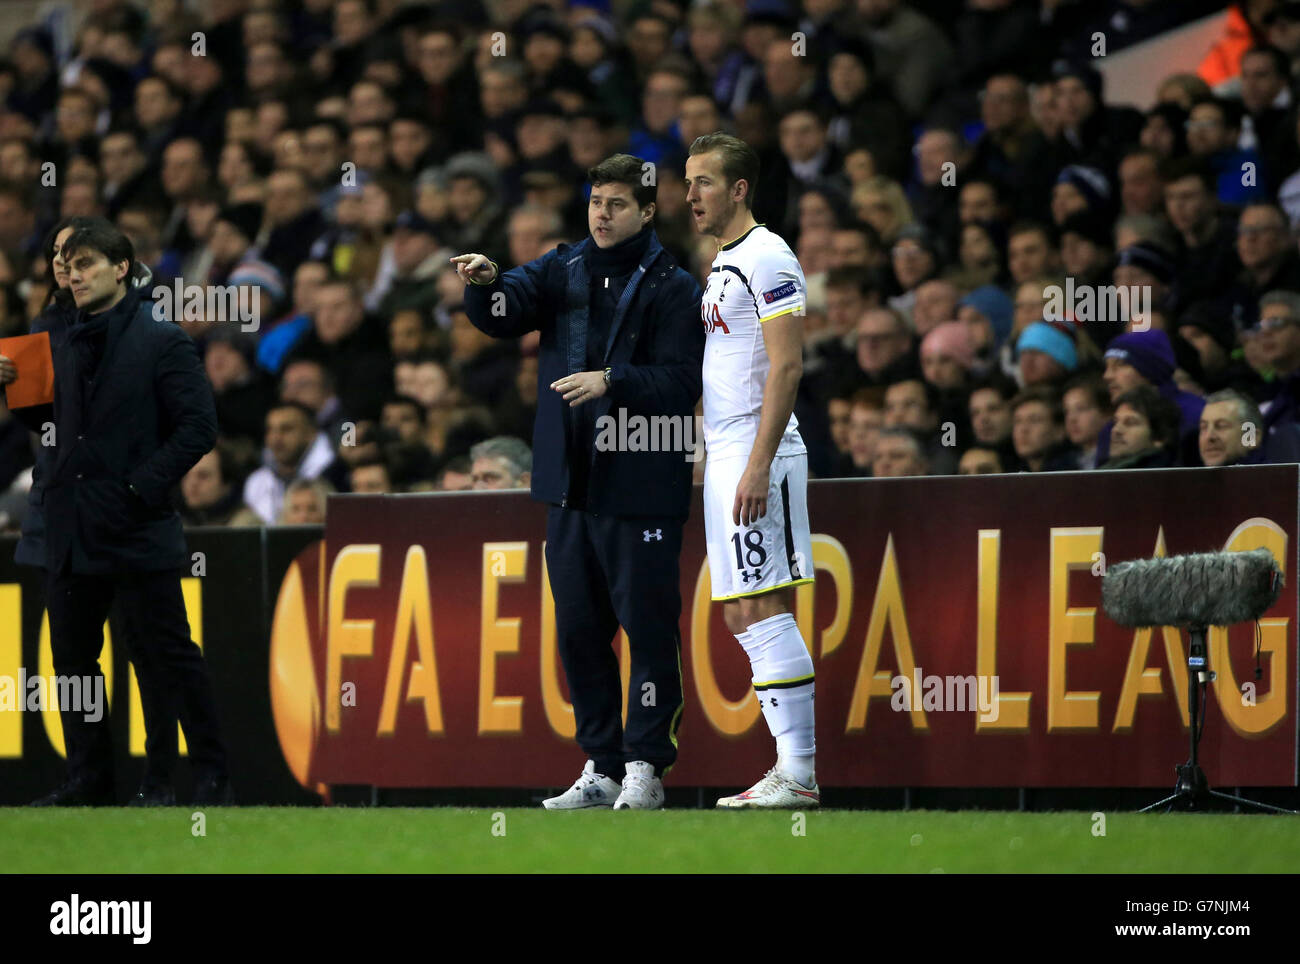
column 754, row 279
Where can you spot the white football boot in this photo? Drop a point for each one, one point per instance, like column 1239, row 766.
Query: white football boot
column 775, row 791
column 642, row 790
column 592, row 789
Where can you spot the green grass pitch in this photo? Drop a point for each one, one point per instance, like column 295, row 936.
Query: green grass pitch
column 435, row 840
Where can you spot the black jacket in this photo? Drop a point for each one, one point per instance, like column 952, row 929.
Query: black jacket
column 141, row 423
column 656, row 351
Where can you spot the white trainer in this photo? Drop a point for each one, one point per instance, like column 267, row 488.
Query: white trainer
column 775, row 791
column 592, row 789
column 642, row 790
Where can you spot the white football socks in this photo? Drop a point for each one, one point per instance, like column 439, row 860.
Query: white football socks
column 782, row 672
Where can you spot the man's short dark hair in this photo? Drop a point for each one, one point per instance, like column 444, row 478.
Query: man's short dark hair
column 739, row 160
column 995, row 382
column 1230, row 110
column 173, row 91
column 298, row 407
column 333, row 124
column 999, row 196
column 370, row 460
column 1178, row 168
column 819, row 114
column 326, row 376
column 932, row 397
column 460, row 464
column 1161, row 414
column 448, row 27
column 1027, row 226
column 408, row 401
column 1095, row 386
column 1281, row 63
column 1043, row 395
column 629, row 170
column 124, row 130
column 868, row 231
column 852, row 276
column 102, row 237
column 353, row 288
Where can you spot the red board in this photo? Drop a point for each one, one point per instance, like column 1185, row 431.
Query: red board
column 939, row 577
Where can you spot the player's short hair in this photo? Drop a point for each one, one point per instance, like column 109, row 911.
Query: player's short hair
column 629, row 170
column 739, row 160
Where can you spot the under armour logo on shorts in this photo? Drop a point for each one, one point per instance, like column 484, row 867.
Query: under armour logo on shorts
column 657, row 534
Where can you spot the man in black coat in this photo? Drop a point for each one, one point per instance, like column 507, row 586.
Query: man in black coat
column 621, row 341
column 132, row 412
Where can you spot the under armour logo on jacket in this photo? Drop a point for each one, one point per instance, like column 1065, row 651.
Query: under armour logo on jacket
column 657, row 534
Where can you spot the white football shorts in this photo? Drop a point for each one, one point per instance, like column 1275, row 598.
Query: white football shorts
column 773, row 552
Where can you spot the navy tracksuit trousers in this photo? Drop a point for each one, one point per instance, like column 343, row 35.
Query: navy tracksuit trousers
column 608, row 571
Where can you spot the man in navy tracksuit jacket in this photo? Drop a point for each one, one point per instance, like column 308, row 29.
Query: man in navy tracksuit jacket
column 620, row 330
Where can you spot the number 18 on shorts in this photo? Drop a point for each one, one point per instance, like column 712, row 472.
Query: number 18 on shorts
column 770, row 553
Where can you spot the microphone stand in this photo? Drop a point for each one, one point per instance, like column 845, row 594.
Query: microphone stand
column 1192, row 791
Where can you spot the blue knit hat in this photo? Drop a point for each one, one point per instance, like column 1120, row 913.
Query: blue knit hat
column 992, row 302
column 1052, row 339
column 1092, row 184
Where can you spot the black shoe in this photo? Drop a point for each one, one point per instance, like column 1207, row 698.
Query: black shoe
column 154, row 796
column 213, row 792
column 78, row 795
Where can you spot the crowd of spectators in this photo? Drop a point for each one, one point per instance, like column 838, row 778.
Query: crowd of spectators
column 955, row 177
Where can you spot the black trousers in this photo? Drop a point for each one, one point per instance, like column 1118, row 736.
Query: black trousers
column 173, row 677
column 606, row 572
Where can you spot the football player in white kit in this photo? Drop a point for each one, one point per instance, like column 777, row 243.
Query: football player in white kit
column 756, row 473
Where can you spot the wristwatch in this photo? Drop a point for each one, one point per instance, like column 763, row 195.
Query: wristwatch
column 608, row 373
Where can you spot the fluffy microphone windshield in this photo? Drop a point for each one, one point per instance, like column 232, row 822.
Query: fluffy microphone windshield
column 1202, row 589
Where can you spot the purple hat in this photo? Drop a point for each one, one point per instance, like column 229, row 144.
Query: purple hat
column 1150, row 352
